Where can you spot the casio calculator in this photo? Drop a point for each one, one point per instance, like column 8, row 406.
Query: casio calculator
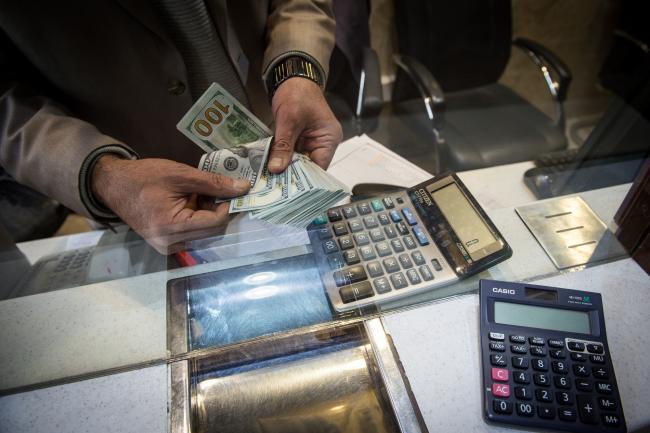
column 546, row 362
column 377, row 250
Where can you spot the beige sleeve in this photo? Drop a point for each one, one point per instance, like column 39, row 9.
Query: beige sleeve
column 305, row 26
column 45, row 148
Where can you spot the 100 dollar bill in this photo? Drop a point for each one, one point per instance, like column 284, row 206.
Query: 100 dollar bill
column 218, row 121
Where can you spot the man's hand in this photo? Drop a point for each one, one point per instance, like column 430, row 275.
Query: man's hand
column 304, row 122
column 158, row 198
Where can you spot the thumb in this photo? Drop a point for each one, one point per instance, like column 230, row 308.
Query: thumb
column 211, row 184
column 286, row 134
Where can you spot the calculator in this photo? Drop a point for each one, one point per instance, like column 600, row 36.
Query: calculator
column 546, row 362
column 377, row 250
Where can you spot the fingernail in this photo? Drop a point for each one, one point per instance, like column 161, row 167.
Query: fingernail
column 242, row 184
column 275, row 163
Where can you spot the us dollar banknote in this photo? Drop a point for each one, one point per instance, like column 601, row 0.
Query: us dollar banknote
column 218, row 121
column 246, row 161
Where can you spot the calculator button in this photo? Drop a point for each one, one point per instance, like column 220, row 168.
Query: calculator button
column 556, row 343
column 319, row 220
column 524, row 409
column 349, row 212
column 500, row 374
column 496, row 336
column 595, row 348
column 576, row 345
column 409, row 242
column 497, row 346
column 350, row 275
column 334, row 215
column 517, row 348
column 390, row 231
column 597, row 359
column 521, row 377
column 388, row 203
column 405, row 261
column 517, row 339
column 543, row 395
column 557, row 354
column 580, row 370
column 564, row 398
column 376, row 205
column 561, row 382
column 351, row 257
column 500, row 390
column 611, row 420
column 340, row 229
column 398, row 280
column 587, row 409
column 605, row 403
column 397, row 245
column 580, row 357
column 356, row 292
column 426, row 273
column 408, row 215
column 402, row 229
column 520, row 362
column 345, row 242
column 395, row 216
column 566, row 414
column 330, row 246
column 546, row 412
column 335, row 261
column 374, row 269
column 436, row 265
column 418, row 258
column 367, row 252
column 364, row 209
column 370, row 222
column 536, row 341
column 400, row 200
column 523, row 393
column 502, row 406
column 382, row 285
column 324, row 233
column 413, row 276
column 383, row 219
column 391, row 265
column 376, row 235
column 584, row 385
column 604, row 388
column 559, row 367
column 420, row 235
column 361, row 239
column 355, row 225
column 600, row 372
column 539, row 364
column 498, row 360
column 382, row 249
column 541, row 379
column 537, row 351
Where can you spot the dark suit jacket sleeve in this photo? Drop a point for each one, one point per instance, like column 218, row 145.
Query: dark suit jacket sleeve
column 42, row 146
column 306, row 26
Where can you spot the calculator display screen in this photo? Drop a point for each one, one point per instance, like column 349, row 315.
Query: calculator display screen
column 557, row 319
column 465, row 221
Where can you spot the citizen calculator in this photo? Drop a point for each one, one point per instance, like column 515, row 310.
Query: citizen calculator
column 380, row 249
column 546, row 362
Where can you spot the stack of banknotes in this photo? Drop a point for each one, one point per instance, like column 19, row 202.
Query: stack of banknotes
column 237, row 145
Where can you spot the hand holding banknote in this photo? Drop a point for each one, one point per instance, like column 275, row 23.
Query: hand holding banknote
column 158, row 198
column 304, row 123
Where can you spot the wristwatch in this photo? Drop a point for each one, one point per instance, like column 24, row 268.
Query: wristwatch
column 292, row 66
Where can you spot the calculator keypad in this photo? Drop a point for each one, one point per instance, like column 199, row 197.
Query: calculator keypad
column 531, row 376
column 382, row 237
